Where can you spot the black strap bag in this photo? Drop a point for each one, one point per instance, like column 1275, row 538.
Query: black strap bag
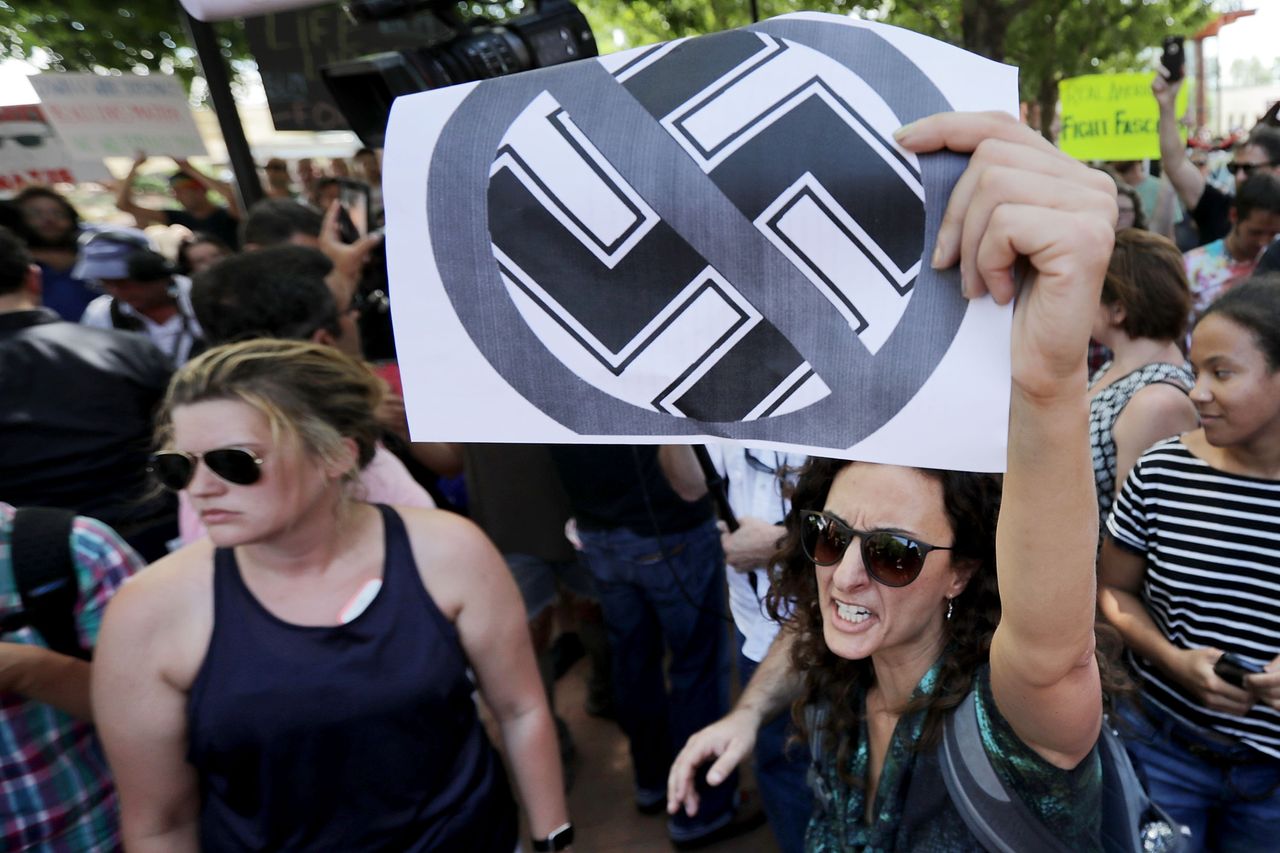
column 1131, row 822
column 45, row 574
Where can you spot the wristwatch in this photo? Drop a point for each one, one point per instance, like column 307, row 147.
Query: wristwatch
column 560, row 838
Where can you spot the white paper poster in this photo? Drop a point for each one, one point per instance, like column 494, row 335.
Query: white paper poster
column 715, row 238
column 99, row 116
column 31, row 152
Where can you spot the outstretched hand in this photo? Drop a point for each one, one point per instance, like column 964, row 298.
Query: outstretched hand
column 1023, row 200
column 728, row 741
column 348, row 258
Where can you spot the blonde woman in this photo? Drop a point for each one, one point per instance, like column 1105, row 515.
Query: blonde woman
column 299, row 680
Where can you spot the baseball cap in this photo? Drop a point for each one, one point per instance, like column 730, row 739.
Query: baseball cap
column 105, row 253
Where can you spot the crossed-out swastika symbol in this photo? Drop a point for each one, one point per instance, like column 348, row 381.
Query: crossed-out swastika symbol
column 714, row 235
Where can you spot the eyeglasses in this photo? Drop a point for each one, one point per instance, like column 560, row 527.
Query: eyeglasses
column 1247, row 168
column 890, row 558
column 175, row 468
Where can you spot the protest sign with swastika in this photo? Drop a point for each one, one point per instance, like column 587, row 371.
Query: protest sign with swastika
column 715, row 237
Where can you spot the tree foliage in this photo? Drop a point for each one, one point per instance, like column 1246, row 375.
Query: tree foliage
column 1049, row 40
column 620, row 24
column 122, row 36
column 1252, row 72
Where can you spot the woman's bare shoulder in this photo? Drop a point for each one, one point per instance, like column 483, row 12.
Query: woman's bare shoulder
column 182, row 573
column 439, row 531
column 167, row 608
column 455, row 558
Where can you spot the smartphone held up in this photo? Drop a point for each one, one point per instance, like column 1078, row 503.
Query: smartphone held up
column 353, row 214
column 1174, row 59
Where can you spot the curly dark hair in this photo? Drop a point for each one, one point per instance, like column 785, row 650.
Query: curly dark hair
column 972, row 505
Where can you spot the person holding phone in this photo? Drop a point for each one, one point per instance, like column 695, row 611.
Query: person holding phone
column 893, row 571
column 1210, row 208
column 1189, row 573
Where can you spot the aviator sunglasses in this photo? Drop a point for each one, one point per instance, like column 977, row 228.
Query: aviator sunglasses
column 891, row 559
column 175, row 468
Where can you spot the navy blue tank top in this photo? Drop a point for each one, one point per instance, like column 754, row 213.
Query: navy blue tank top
column 355, row 737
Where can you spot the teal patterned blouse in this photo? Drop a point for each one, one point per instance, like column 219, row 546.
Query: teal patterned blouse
column 913, row 811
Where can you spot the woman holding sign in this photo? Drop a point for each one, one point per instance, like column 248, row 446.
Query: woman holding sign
column 893, row 571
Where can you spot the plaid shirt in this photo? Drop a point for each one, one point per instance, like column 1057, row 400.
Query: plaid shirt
column 56, row 793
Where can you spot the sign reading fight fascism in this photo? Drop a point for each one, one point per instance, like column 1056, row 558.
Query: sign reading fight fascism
column 1112, row 116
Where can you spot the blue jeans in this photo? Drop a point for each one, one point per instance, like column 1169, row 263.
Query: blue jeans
column 1228, row 795
column 782, row 770
column 540, row 580
column 655, row 591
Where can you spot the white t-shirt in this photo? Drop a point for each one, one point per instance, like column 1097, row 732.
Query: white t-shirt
column 755, row 491
column 174, row 336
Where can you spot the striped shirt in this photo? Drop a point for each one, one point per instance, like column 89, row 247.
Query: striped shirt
column 1212, row 543
column 56, row 794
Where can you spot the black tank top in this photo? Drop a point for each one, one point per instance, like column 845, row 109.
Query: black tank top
column 355, row 737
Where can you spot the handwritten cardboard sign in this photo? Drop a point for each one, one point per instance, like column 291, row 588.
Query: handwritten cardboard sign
column 1112, row 117
column 98, row 116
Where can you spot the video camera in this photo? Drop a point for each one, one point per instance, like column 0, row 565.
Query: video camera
column 554, row 32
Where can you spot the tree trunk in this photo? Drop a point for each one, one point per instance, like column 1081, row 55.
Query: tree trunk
column 1047, row 99
column 983, row 25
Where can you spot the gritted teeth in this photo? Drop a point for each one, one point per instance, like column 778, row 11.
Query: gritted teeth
column 852, row 612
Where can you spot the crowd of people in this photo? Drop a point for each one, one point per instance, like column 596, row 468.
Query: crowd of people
column 264, row 621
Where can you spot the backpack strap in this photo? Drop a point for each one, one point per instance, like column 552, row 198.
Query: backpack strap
column 996, row 816
column 45, row 574
column 1131, row 821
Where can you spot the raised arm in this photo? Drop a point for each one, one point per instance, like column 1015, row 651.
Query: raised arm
column 731, row 739
column 1184, row 176
column 222, row 188
column 143, row 216
column 1021, row 200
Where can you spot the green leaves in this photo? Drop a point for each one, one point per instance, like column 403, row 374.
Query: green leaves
column 126, row 36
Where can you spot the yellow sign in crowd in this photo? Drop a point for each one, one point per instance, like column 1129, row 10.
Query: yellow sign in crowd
column 1111, row 116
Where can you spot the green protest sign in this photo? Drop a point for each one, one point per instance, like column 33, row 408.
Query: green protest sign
column 1112, row 116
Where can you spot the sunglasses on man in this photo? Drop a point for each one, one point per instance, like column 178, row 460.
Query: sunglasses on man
column 175, row 469
column 891, row 559
column 1247, row 168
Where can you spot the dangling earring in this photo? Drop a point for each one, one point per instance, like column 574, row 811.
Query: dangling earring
column 951, row 606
